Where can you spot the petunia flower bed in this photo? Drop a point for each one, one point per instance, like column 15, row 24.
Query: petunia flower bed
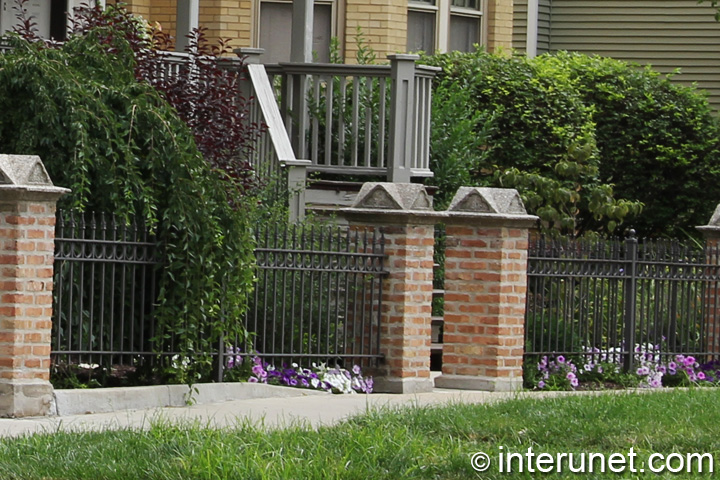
column 595, row 366
column 320, row 377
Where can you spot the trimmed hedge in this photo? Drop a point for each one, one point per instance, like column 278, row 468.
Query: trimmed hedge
column 586, row 140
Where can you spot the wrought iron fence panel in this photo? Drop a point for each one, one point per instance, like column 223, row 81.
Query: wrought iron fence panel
column 104, row 289
column 318, row 296
column 611, row 296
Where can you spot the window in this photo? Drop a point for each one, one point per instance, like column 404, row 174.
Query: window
column 465, row 24
column 442, row 25
column 276, row 27
column 422, row 15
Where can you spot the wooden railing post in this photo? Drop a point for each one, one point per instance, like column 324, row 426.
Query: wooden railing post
column 249, row 56
column 296, row 179
column 401, row 117
column 300, row 114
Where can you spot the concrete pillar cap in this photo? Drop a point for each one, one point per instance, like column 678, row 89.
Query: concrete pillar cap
column 504, row 201
column 393, row 196
column 23, row 170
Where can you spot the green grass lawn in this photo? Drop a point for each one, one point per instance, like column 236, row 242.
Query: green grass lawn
column 432, row 442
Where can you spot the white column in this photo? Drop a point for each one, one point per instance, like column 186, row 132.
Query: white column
column 302, row 31
column 532, row 28
column 188, row 18
column 443, row 26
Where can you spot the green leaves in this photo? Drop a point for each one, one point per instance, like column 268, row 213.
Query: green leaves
column 121, row 148
column 517, row 123
column 589, row 142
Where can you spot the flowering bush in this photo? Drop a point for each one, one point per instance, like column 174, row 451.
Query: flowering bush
column 559, row 373
column 320, row 377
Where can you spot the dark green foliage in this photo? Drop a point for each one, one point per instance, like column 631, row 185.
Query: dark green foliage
column 587, row 141
column 512, row 122
column 658, row 142
column 121, row 148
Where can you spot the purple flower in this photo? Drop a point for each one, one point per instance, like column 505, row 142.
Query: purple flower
column 541, row 384
column 643, row 371
column 689, row 361
column 356, row 369
column 252, row 380
column 700, row 376
column 560, row 359
column 574, row 382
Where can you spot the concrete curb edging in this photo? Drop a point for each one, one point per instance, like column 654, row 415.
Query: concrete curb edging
column 107, row 400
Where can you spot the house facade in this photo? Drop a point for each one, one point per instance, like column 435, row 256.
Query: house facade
column 666, row 34
column 387, row 26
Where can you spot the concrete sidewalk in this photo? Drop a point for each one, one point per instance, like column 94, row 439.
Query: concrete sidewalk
column 266, row 405
column 269, row 406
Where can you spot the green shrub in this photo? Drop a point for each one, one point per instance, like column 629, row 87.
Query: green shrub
column 121, row 148
column 513, row 122
column 588, row 141
column 658, row 141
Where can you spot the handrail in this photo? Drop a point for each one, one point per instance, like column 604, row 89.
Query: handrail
column 274, row 155
column 271, row 114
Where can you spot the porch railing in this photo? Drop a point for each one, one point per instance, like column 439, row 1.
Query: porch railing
column 359, row 119
column 273, row 159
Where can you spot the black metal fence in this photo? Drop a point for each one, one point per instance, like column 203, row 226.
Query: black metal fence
column 616, row 295
column 105, row 287
column 318, row 294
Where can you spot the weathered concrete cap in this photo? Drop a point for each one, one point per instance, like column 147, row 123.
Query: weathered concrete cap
column 393, row 196
column 504, row 201
column 715, row 219
column 23, row 170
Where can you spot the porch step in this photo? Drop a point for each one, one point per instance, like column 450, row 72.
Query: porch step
column 327, row 196
column 330, row 195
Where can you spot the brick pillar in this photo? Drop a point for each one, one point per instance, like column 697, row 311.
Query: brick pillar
column 27, row 232
column 485, row 286
column 403, row 212
column 711, row 294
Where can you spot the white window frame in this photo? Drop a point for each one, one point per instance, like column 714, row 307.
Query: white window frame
column 478, row 14
column 427, row 7
column 444, row 11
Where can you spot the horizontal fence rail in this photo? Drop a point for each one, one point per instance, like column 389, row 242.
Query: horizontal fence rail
column 319, row 295
column 615, row 297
